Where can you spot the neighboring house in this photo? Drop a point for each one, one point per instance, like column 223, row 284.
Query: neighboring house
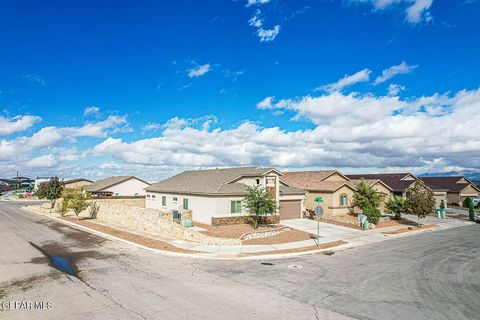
column 76, row 184
column 398, row 182
column 23, row 182
column 118, row 186
column 380, row 187
column 456, row 188
column 335, row 189
column 39, row 180
column 218, row 193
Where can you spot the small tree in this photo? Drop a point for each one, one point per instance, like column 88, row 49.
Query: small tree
column 259, row 203
column 396, row 206
column 420, row 200
column 471, row 211
column 54, row 190
column 466, row 202
column 367, row 197
column 78, row 202
column 42, row 190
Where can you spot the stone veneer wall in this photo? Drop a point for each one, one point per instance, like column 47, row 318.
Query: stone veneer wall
column 224, row 221
column 128, row 201
column 154, row 220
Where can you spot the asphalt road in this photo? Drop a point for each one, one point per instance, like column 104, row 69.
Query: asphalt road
column 432, row 275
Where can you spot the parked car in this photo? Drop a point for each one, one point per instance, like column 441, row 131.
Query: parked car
column 475, row 201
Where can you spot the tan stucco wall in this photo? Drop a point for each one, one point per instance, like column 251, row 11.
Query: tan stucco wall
column 469, row 192
column 335, row 177
column 331, row 201
column 383, row 190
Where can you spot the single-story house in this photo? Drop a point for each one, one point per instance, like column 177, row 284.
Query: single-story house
column 398, row 182
column 380, row 187
column 333, row 187
column 456, row 188
column 118, row 186
column 216, row 194
column 76, row 184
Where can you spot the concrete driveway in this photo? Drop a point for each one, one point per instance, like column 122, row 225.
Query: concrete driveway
column 326, row 229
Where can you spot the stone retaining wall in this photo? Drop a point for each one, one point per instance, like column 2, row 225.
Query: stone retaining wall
column 224, row 221
column 156, row 221
column 128, row 201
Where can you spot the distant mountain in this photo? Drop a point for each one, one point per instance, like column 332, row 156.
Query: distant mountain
column 472, row 175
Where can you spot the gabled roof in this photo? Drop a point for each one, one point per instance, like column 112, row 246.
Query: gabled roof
column 108, row 182
column 75, row 180
column 450, row 184
column 370, row 182
column 393, row 180
column 209, row 182
column 309, row 180
column 285, row 190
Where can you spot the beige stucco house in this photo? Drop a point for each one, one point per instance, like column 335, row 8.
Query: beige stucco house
column 215, row 195
column 123, row 186
column 453, row 190
column 335, row 189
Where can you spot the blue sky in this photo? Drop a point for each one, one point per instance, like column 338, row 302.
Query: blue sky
column 154, row 87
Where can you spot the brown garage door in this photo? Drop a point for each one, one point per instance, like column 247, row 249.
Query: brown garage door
column 290, row 209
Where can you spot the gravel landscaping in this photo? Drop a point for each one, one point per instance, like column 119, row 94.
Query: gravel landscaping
column 283, row 237
column 145, row 241
column 410, row 229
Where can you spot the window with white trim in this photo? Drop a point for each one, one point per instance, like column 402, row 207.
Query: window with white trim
column 235, row 206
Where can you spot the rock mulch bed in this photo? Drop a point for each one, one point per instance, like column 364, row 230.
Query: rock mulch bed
column 411, row 229
column 283, row 237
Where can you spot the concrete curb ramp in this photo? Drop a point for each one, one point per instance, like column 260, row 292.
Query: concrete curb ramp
column 207, row 256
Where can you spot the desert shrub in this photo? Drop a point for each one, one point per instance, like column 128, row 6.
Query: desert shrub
column 63, row 207
column 466, row 202
column 93, row 210
column 373, row 215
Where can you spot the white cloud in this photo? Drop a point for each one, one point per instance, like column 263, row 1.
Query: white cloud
column 394, row 89
column 35, row 78
column 350, row 131
column 199, row 71
column 347, row 80
column 256, row 2
column 265, row 103
column 418, row 11
column 387, row 74
column 16, row 124
column 95, row 111
column 45, row 161
column 151, row 126
column 267, row 35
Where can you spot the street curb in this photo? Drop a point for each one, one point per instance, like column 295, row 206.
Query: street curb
column 204, row 256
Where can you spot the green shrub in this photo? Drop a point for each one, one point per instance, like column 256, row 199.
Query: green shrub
column 471, row 211
column 63, row 208
column 373, row 215
column 466, row 202
column 396, row 206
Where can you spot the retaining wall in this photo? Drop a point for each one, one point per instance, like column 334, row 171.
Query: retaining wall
column 156, row 221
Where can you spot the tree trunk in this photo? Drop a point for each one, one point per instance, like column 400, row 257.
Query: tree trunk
column 418, row 223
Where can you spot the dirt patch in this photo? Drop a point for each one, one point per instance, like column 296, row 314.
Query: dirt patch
column 283, row 237
column 411, row 229
column 233, row 231
column 311, row 248
column 393, row 223
column 145, row 241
